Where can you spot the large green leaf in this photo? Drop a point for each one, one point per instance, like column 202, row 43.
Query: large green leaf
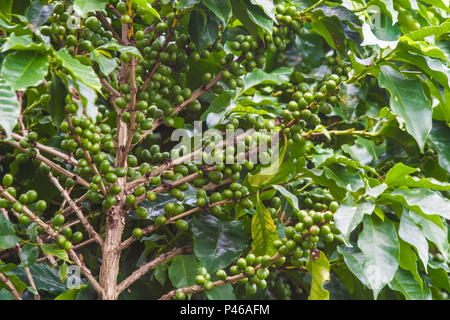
column 292, row 199
column 258, row 76
column 82, row 7
column 29, row 255
column 399, row 175
column 221, row 8
column 217, row 107
column 23, row 42
column 379, row 243
column 217, row 244
column 350, row 214
column 320, row 269
column 409, row 102
column 9, row 107
column 186, row 4
column 267, row 6
column 354, row 262
column 8, row 237
column 45, row 277
column 71, row 294
column 5, row 8
column 258, row 16
column 425, row 201
column 408, row 261
column 224, row 292
column 54, row 250
column 183, row 270
column 38, row 12
column 24, row 69
column 411, row 233
column 263, row 228
column 440, row 140
column 80, row 71
column 56, row 105
column 432, row 232
column 203, row 29
column 405, row 283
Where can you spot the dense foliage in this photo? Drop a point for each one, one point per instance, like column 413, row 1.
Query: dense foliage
column 334, row 186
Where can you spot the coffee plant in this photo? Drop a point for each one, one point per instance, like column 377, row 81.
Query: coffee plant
column 224, row 149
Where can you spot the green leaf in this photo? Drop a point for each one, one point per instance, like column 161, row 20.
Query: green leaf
column 23, row 43
column 45, row 277
column 433, row 67
column 58, row 93
column 221, row 8
column 439, row 275
column 53, row 250
column 80, row 71
column 258, row 76
column 182, row 271
column 379, row 243
column 292, row 199
column 342, row 13
column 425, row 201
column 427, row 31
column 370, row 39
column 29, row 255
column 186, row 4
column 88, row 97
column 38, row 13
column 433, row 232
column 240, row 12
column 399, row 175
column 8, row 237
column 408, row 261
column 203, row 29
column 71, row 294
column 6, row 295
column 320, row 269
column 263, row 229
column 404, row 282
column 149, row 10
column 224, row 292
column 413, row 234
column 5, row 8
column 122, row 49
column 9, row 107
column 105, row 63
column 355, row 263
column 350, row 214
column 257, row 16
column 82, row 7
column 421, row 47
column 24, row 69
column 409, row 102
column 440, row 140
column 63, row 272
column 268, row 8
column 217, row 244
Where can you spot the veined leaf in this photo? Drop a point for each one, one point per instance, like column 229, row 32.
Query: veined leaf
column 221, row 8
column 24, row 69
column 38, row 12
column 263, row 228
column 405, row 283
column 320, row 269
column 8, row 237
column 413, row 234
column 408, row 101
column 82, row 7
column 182, row 271
column 379, row 243
column 9, row 107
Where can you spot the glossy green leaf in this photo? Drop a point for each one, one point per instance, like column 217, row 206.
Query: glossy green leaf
column 23, row 42
column 53, row 250
column 258, row 15
column 24, row 69
column 9, row 107
column 82, row 7
column 425, row 201
column 150, row 11
column 399, row 175
column 267, row 6
column 45, row 277
column 29, row 255
column 405, row 283
column 379, row 243
column 263, row 228
column 105, row 63
column 413, row 234
column 350, row 214
column 409, row 102
column 6, row 295
column 186, row 4
column 182, row 271
column 258, row 76
column 221, row 8
column 224, row 292
column 440, row 140
column 71, row 294
column 320, row 269
column 217, row 244
column 8, row 237
column 38, row 12
column 203, row 29
column 408, row 261
column 292, row 199
column 80, row 71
